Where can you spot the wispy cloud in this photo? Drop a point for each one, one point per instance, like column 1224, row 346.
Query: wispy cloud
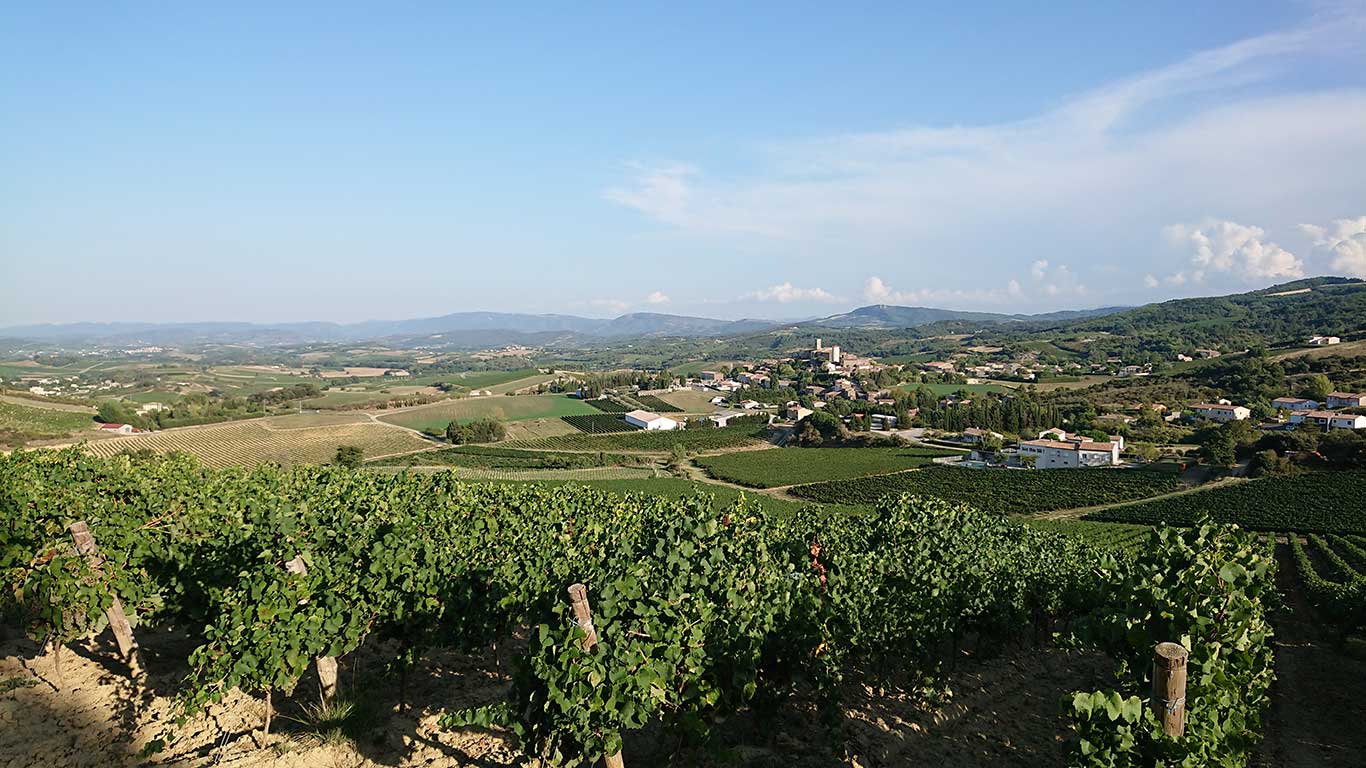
column 1090, row 179
column 656, row 298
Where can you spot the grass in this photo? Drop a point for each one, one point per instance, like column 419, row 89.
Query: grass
column 248, row 443
column 691, row 401
column 40, row 422
column 537, row 429
column 503, row 408
column 791, row 466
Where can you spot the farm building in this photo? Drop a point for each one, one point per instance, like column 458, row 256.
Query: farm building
column 653, row 421
column 722, row 418
column 119, row 429
column 881, row 422
column 797, row 413
column 974, row 435
column 1294, row 404
column 1346, row 399
column 1054, row 454
column 1221, row 412
column 1323, row 341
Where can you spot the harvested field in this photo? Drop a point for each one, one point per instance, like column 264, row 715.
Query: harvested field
column 254, row 442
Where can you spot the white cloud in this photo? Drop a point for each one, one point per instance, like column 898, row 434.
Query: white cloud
column 1150, row 281
column 1096, row 174
column 1227, row 246
column 657, row 297
column 610, row 305
column 1345, row 239
column 786, row 293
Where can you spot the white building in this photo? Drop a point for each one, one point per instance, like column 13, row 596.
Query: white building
column 1323, row 341
column 1346, row 399
column 974, row 435
column 881, row 422
column 120, row 429
column 647, row 420
column 1221, row 412
column 1294, row 404
column 1055, row 454
column 1330, row 419
column 722, row 418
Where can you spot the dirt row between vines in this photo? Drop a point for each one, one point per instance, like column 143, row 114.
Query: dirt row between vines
column 1003, row 712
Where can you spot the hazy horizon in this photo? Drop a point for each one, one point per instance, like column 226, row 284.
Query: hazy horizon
column 334, row 163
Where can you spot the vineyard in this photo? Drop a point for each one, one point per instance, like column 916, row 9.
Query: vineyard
column 789, row 466
column 248, row 443
column 491, row 457
column 653, row 441
column 1332, row 572
column 502, row 407
column 1313, row 503
column 698, row 612
column 1002, row 491
column 598, row 423
column 653, row 403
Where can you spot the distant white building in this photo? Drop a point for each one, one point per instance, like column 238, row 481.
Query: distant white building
column 722, row 418
column 1330, row 419
column 881, row 422
column 119, row 429
column 1221, row 412
column 1294, row 404
column 1346, row 399
column 975, row 435
column 652, row 421
column 1056, row 454
column 1323, row 341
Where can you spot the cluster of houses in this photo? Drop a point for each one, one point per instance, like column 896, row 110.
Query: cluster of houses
column 1327, row 414
column 1054, row 449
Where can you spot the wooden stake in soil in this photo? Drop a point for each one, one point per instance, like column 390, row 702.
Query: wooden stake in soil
column 1169, row 687
column 326, row 665
column 583, row 614
column 118, row 620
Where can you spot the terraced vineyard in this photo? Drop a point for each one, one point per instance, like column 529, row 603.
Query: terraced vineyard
column 789, row 466
column 652, row 441
column 1001, row 491
column 248, row 443
column 1316, row 503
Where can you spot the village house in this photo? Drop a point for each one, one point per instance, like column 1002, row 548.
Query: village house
column 1346, row 399
column 1323, row 341
column 712, row 376
column 1294, row 404
column 1057, row 454
column 1221, row 412
column 650, row 421
column 1206, row 354
column 750, row 405
column 795, row 412
column 1330, row 419
column 940, row 366
column 975, row 435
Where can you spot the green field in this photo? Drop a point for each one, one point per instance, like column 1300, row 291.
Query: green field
column 39, row 423
column 791, row 466
column 501, row 407
column 1022, row 491
column 1331, row 502
column 696, row 439
column 691, row 401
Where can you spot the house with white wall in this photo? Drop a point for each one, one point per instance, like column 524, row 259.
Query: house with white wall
column 1221, row 412
column 1346, row 399
column 1072, row 454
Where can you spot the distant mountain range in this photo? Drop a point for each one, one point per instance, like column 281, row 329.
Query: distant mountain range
column 1323, row 297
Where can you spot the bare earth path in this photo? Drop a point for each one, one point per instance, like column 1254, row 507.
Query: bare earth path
column 1318, row 714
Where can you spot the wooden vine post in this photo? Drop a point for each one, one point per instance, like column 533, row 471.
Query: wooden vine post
column 1169, row 687
column 118, row 620
column 583, row 614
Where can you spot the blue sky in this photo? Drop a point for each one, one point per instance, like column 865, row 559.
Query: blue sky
column 344, row 162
